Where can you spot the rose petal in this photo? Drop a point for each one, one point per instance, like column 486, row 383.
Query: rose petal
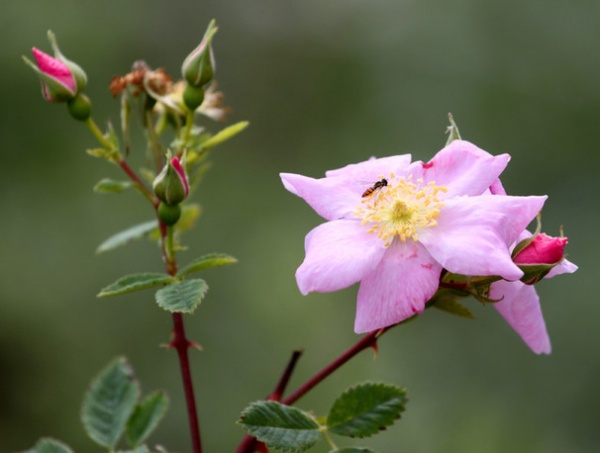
column 338, row 254
column 564, row 267
column 372, row 169
column 474, row 234
column 331, row 198
column 520, row 307
column 55, row 69
column 404, row 280
column 463, row 168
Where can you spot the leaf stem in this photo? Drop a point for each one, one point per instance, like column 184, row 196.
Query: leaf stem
column 139, row 184
column 93, row 127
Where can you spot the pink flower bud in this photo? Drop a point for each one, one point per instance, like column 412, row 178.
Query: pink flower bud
column 543, row 249
column 58, row 82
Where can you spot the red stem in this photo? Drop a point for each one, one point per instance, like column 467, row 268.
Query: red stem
column 368, row 341
column 249, row 444
column 181, row 344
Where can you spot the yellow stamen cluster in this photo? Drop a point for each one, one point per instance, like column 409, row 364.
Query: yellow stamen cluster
column 401, row 209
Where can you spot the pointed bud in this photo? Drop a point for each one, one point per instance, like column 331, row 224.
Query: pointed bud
column 171, row 185
column 199, row 66
column 58, row 82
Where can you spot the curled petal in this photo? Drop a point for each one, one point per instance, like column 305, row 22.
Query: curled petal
column 338, row 254
column 520, row 307
column 405, row 279
column 474, row 234
column 331, row 198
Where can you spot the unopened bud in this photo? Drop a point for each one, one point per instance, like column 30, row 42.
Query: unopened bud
column 171, row 186
column 199, row 66
column 539, row 256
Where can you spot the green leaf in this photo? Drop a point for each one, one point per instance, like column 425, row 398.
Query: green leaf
column 109, row 403
column 108, row 185
column 282, row 427
column 136, row 282
column 128, row 235
column 182, row 297
column 353, row 450
column 48, row 445
column 145, row 417
column 225, row 134
column 206, row 262
column 366, row 409
column 448, row 301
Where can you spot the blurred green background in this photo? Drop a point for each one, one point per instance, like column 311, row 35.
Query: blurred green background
column 323, row 84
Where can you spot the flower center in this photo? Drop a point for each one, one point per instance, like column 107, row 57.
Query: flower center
column 400, row 208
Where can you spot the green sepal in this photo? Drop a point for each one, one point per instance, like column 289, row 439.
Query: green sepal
column 447, row 301
column 353, row 450
column 109, row 402
column 281, row 427
column 108, row 185
column 126, row 236
column 49, row 445
column 102, row 153
column 207, row 262
column 182, row 297
column 146, row 417
column 452, row 130
column 136, row 282
column 366, row 409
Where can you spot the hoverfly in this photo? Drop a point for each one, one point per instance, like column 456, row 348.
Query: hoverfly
column 378, row 185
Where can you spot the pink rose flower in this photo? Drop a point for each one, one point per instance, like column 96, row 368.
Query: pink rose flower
column 396, row 233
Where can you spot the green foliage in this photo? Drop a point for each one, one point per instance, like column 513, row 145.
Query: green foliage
column 107, row 185
column 225, row 134
column 281, row 427
column 141, row 449
column 360, row 411
column 146, row 417
column 136, row 282
column 182, row 297
column 47, row 445
column 207, row 262
column 130, row 234
column 109, row 403
column 448, row 301
column 366, row 409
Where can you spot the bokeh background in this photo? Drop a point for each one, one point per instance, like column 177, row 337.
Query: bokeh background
column 323, row 84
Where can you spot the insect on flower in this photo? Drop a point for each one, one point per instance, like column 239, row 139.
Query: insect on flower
column 378, row 185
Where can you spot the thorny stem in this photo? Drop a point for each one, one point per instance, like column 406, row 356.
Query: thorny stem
column 181, row 344
column 249, row 443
